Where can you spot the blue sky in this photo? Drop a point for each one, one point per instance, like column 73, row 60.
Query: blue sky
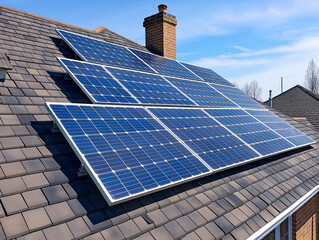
column 241, row 40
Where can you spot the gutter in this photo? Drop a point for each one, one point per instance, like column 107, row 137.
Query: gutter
column 265, row 230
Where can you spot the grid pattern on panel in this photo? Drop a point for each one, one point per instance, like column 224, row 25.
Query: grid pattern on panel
column 212, row 142
column 129, row 151
column 164, row 65
column 150, row 88
column 96, row 82
column 207, row 74
column 281, row 127
column 97, row 51
column 238, row 96
column 250, row 130
column 201, row 93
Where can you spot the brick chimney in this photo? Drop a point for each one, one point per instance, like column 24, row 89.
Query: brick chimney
column 160, row 33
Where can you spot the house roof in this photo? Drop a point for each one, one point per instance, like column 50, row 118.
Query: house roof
column 298, row 102
column 42, row 196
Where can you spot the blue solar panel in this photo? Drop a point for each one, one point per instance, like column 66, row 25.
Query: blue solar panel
column 126, row 151
column 218, row 147
column 238, row 96
column 281, row 127
column 97, row 51
column 150, row 88
column 207, row 74
column 201, row 93
column 164, row 65
column 96, row 83
column 250, row 130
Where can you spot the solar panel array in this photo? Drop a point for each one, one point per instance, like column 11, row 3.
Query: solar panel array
column 185, row 122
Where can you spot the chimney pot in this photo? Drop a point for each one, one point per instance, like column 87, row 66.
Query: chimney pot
column 162, row 8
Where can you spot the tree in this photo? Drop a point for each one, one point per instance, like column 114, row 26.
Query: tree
column 252, row 89
column 312, row 77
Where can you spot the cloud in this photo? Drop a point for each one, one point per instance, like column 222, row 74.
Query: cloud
column 240, row 48
column 268, row 65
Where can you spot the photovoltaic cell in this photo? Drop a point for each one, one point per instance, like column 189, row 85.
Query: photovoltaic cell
column 96, row 83
column 126, row 151
column 207, row 74
column 217, row 146
column 97, row 51
column 238, row 96
column 250, row 130
column 150, row 88
column 281, row 127
column 201, row 93
column 164, row 65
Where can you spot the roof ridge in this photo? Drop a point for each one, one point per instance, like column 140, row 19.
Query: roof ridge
column 96, row 30
column 312, row 94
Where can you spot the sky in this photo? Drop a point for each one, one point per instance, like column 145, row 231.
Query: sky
column 241, row 40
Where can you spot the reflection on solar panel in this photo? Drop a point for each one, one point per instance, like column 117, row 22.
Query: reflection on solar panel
column 237, row 96
column 164, row 65
column 97, row 84
column 126, row 151
column 150, row 88
column 249, row 129
column 281, row 127
column 217, row 146
column 201, row 93
column 98, row 51
column 207, row 74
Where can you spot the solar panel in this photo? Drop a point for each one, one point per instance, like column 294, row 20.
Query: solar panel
column 125, row 150
column 281, row 127
column 201, row 93
column 150, row 88
column 237, row 96
column 164, row 65
column 218, row 147
column 97, row 51
column 96, row 83
column 260, row 137
column 207, row 74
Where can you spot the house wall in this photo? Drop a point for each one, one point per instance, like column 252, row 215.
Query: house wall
column 305, row 221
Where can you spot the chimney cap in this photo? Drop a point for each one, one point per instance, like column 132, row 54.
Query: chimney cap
column 162, row 8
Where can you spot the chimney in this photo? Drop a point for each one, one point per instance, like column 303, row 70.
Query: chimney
column 160, row 33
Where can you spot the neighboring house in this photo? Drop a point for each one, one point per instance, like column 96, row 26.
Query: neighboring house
column 298, row 102
column 42, row 196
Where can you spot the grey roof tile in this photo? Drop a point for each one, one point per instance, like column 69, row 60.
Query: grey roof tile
column 33, row 236
column 13, row 169
column 56, row 177
column 14, row 226
column 143, row 225
column 175, row 229
column 194, row 202
column 217, row 209
column 13, row 204
column 69, row 190
column 33, row 166
column 158, row 217
column 197, row 218
column 31, row 152
column 11, row 142
column 77, row 208
column 31, row 141
column 59, row 212
column 34, row 181
column 129, row 229
column 97, row 221
column 96, row 236
column 50, row 164
column 224, row 224
column 58, row 232
column 145, row 236
column 36, row 219
column 203, row 198
column 161, row 233
column 2, row 213
column 191, row 236
column 184, row 207
column 6, row 131
column 171, row 212
column 55, row 194
column 13, row 155
column 78, row 228
column 204, row 234
column 254, row 226
column 232, row 219
column 112, row 233
column 186, row 223
column 207, row 213
column 116, row 214
column 12, row 186
column 34, row 199
column 214, row 230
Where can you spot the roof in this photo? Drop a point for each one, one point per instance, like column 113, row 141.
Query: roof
column 298, row 102
column 43, row 197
